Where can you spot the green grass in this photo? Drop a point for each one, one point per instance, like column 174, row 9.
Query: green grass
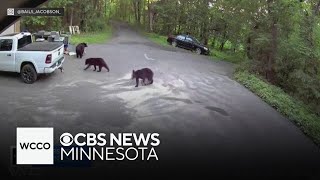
column 159, row 39
column 294, row 109
column 232, row 58
column 92, row 37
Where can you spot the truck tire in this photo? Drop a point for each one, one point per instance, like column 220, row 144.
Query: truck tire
column 28, row 74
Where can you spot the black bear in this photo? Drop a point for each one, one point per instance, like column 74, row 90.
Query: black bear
column 143, row 74
column 80, row 49
column 96, row 62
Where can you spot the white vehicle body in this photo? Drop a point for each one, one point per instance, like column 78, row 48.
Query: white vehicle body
column 17, row 50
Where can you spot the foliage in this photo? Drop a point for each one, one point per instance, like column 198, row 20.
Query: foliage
column 92, row 38
column 161, row 40
column 87, row 14
column 229, row 57
column 285, row 104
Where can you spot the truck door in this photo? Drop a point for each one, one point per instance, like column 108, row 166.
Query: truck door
column 6, row 55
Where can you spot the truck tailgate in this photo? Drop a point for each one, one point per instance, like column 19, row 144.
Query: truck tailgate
column 58, row 54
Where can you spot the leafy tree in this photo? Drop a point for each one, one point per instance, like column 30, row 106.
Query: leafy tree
column 279, row 39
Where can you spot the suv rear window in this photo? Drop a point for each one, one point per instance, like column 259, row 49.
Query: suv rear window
column 24, row 41
column 180, row 37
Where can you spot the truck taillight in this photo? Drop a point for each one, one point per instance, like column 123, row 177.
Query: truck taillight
column 48, row 59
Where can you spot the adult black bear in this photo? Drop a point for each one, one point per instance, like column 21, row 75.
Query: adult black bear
column 143, row 74
column 96, row 62
column 80, row 49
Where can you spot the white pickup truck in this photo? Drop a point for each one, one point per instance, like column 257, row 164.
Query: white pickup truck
column 19, row 54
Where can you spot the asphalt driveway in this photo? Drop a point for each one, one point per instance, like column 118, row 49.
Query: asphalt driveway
column 205, row 119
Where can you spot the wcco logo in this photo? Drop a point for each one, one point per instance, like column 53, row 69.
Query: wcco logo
column 34, row 145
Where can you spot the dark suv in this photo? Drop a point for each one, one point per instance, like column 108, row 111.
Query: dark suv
column 188, row 42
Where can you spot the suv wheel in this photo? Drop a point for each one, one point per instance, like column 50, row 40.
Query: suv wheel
column 28, row 74
column 198, row 51
column 174, row 44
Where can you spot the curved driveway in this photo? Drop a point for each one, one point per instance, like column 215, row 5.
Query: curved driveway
column 206, row 120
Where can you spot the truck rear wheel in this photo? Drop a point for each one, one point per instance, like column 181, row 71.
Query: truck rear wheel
column 28, row 74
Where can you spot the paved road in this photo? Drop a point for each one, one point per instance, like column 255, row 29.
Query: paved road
column 206, row 120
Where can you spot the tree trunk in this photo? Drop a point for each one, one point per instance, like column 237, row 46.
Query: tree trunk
column 150, row 14
column 222, row 45
column 213, row 44
column 144, row 13
column 205, row 34
column 270, row 74
column 135, row 10
column 105, row 8
column 71, row 17
column 151, row 22
column 248, row 49
column 83, row 18
column 139, row 11
column 317, row 9
column 224, row 38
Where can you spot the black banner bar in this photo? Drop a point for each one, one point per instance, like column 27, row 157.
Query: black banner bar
column 35, row 11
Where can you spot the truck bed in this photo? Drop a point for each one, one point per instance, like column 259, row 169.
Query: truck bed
column 41, row 46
